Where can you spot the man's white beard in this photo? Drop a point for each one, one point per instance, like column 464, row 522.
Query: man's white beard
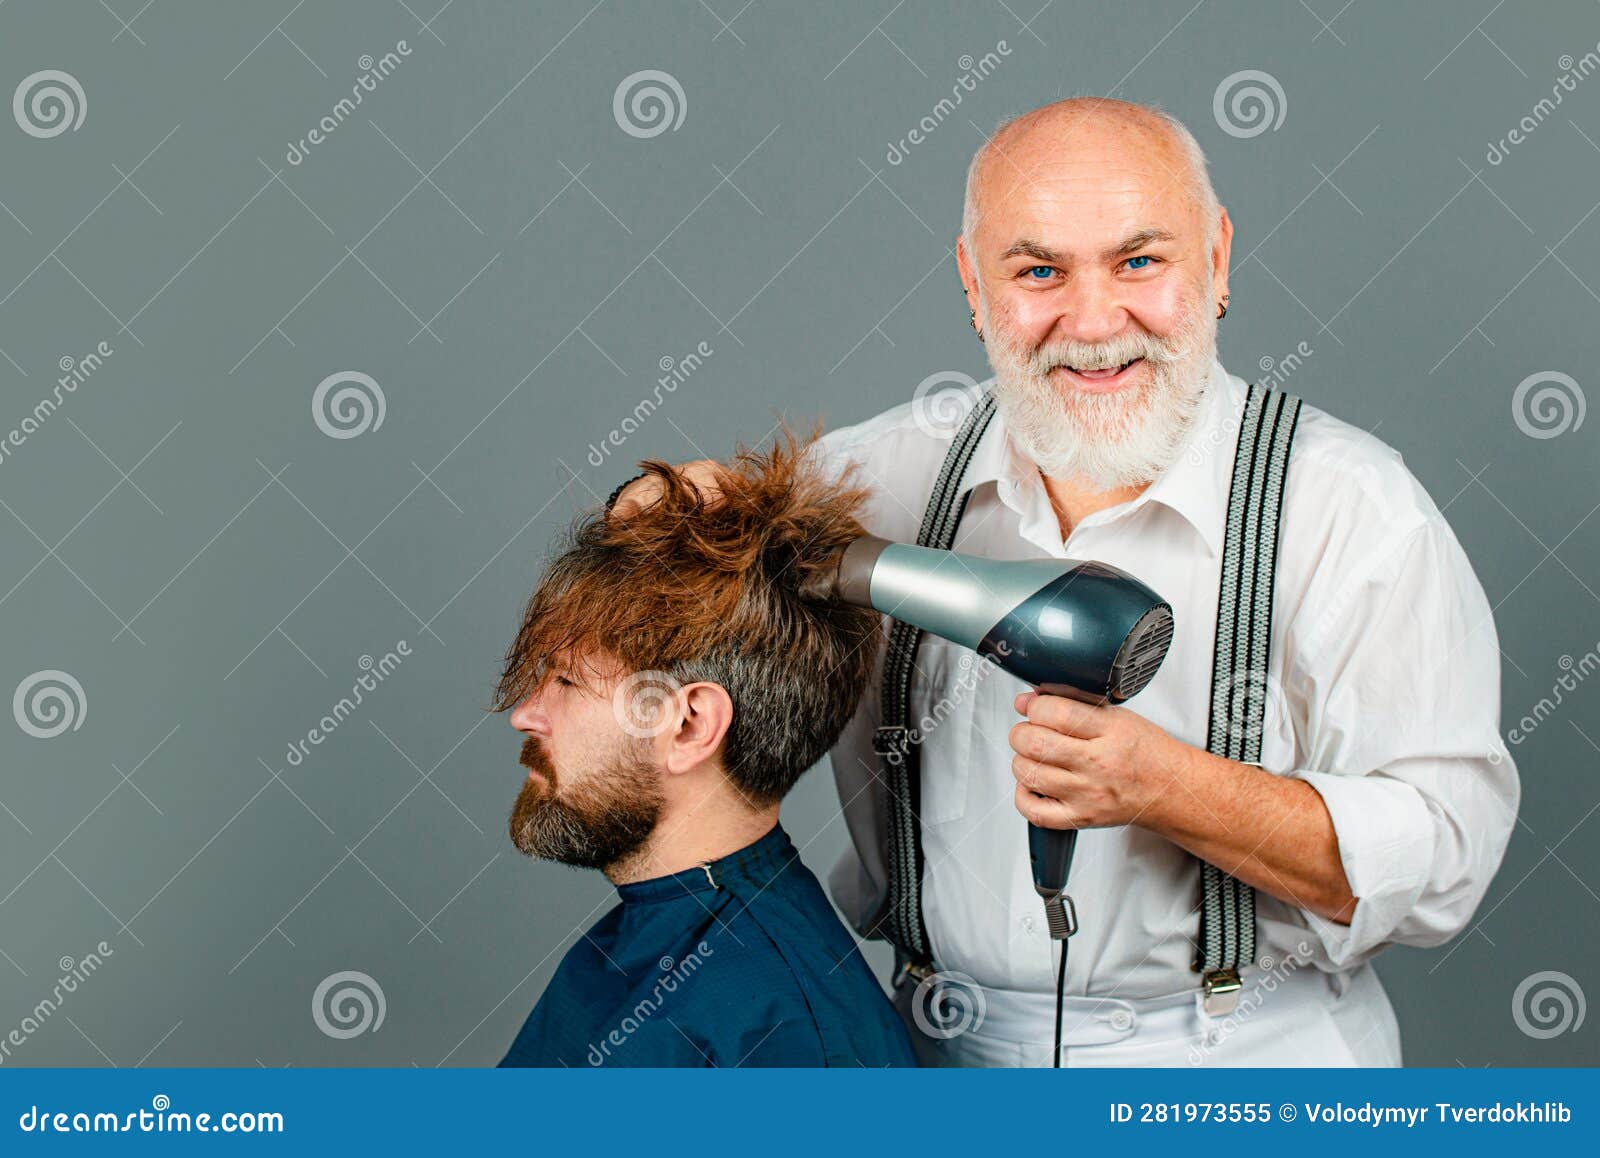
column 1114, row 440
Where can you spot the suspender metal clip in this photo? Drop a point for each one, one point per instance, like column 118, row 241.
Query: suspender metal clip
column 916, row 970
column 1221, row 987
column 893, row 743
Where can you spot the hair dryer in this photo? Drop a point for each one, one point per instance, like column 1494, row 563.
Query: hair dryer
column 1081, row 629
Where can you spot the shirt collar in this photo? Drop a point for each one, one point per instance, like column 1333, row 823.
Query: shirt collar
column 759, row 863
column 1195, row 485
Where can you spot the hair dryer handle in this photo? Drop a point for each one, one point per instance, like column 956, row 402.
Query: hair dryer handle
column 1050, row 850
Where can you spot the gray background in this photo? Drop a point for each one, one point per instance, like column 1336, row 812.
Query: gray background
column 484, row 240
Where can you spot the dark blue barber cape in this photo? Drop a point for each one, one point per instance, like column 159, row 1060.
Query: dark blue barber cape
column 741, row 962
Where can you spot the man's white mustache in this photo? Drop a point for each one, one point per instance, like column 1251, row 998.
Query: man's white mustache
column 1100, row 355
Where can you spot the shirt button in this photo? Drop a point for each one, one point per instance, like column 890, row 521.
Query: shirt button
column 1027, row 924
column 1121, row 1019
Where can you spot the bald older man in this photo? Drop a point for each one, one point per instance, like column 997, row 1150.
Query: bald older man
column 1373, row 801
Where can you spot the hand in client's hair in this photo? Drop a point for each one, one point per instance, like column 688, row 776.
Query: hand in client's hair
column 704, row 474
column 773, row 512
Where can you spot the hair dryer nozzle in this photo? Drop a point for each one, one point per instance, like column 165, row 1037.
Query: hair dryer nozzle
column 853, row 580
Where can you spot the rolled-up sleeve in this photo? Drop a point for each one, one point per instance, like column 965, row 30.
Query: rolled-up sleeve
column 1399, row 675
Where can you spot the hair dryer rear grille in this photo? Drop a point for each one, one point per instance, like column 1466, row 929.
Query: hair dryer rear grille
column 1141, row 655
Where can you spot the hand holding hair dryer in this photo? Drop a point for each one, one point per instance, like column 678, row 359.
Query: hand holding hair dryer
column 1080, row 629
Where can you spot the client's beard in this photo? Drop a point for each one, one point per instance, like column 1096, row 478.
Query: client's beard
column 1113, row 440
column 593, row 824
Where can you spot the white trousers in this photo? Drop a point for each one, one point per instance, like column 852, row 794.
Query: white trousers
column 1301, row 1018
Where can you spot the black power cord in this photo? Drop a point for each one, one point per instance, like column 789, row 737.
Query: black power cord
column 1062, row 917
column 1061, row 998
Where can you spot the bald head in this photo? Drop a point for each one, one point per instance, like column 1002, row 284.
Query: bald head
column 1099, row 130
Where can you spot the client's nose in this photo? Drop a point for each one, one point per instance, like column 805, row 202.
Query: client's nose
column 530, row 716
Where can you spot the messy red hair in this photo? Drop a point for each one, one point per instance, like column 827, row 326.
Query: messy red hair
column 720, row 589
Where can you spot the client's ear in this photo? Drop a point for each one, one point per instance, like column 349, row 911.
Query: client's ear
column 704, row 715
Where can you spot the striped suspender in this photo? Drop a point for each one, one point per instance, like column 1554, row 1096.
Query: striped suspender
column 1239, row 680
column 1238, row 694
column 901, row 922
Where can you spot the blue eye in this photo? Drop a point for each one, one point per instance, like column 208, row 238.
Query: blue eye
column 1040, row 272
column 1138, row 262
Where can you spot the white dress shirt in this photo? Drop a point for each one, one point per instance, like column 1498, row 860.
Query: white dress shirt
column 1383, row 696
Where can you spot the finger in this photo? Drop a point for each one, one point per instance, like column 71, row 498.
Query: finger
column 637, row 495
column 1042, row 778
column 1067, row 716
column 704, row 476
column 1023, row 700
column 1047, row 745
column 707, row 475
column 1045, row 811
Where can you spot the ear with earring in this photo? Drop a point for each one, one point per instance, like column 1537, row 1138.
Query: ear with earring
column 1222, row 308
